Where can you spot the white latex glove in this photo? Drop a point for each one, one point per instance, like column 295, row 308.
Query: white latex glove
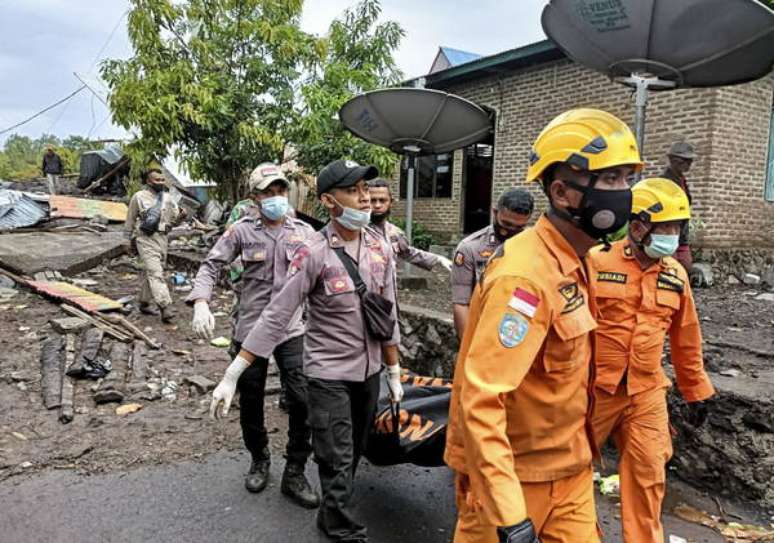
column 203, row 323
column 226, row 389
column 393, row 383
column 445, row 262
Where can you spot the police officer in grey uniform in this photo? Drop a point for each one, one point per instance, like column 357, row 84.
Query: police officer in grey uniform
column 266, row 243
column 381, row 204
column 342, row 361
column 510, row 217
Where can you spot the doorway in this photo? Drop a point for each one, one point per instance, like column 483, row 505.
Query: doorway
column 479, row 162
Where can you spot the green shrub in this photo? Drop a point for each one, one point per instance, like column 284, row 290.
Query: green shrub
column 421, row 237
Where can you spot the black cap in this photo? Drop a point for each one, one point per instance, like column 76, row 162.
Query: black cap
column 341, row 174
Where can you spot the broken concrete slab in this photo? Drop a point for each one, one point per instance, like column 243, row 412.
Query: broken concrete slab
column 69, row 325
column 766, row 297
column 751, row 279
column 201, row 383
column 71, row 253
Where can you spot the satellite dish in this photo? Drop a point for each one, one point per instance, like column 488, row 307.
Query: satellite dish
column 415, row 122
column 695, row 43
column 403, row 119
column 663, row 44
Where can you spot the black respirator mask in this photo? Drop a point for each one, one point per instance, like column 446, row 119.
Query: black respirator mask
column 601, row 212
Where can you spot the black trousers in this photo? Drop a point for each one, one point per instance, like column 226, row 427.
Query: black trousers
column 252, row 388
column 341, row 414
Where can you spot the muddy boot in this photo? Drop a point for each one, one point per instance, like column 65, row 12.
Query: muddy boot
column 167, row 315
column 297, row 488
column 147, row 309
column 258, row 475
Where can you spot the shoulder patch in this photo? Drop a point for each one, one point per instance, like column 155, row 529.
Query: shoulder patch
column 513, row 330
column 612, row 277
column 524, row 302
column 298, row 259
column 573, row 297
column 569, row 292
column 459, row 258
column 667, row 281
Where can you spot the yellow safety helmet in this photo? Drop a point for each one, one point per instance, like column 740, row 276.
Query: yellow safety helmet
column 586, row 139
column 659, row 200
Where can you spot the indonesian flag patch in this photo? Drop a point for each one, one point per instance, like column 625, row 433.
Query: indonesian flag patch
column 524, row 302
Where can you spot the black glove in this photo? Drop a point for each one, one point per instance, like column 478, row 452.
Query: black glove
column 523, row 532
column 696, row 413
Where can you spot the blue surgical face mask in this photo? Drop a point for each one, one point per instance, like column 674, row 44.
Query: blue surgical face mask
column 353, row 219
column 662, row 245
column 275, row 207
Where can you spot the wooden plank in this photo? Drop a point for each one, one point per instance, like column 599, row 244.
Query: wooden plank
column 139, row 368
column 66, row 411
column 123, row 321
column 106, row 327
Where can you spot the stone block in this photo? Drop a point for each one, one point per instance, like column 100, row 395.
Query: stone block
column 69, row 325
column 200, row 383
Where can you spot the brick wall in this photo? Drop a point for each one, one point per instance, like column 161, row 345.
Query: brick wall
column 728, row 126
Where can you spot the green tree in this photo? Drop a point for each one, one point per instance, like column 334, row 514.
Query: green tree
column 213, row 78
column 358, row 58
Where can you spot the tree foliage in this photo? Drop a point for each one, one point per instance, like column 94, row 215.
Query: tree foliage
column 22, row 156
column 230, row 83
column 359, row 58
column 213, row 78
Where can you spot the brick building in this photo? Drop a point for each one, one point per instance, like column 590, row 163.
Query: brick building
column 732, row 179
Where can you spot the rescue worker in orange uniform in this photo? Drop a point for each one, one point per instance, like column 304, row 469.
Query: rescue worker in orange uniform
column 642, row 294
column 519, row 434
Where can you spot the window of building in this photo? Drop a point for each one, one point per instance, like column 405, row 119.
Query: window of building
column 432, row 176
column 769, row 195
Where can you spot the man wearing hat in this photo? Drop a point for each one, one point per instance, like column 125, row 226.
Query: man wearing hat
column 266, row 243
column 681, row 155
column 342, row 357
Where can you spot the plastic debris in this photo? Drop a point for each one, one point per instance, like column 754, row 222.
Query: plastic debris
column 610, row 485
column 734, row 531
column 128, row 408
column 222, row 342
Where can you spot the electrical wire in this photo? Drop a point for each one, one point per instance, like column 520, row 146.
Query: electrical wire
column 41, row 112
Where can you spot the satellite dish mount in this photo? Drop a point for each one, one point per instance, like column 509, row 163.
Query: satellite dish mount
column 642, row 83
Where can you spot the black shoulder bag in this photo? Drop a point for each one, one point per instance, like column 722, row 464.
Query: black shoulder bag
column 149, row 224
column 377, row 310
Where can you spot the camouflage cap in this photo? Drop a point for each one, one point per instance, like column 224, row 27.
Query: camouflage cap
column 264, row 175
column 682, row 149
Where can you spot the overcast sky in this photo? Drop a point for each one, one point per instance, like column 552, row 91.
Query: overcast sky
column 45, row 41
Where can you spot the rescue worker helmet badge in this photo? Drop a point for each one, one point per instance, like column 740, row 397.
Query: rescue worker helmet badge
column 513, row 330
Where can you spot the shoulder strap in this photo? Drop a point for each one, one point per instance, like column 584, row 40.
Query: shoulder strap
column 349, row 264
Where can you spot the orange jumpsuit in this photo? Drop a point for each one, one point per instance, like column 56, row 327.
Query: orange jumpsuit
column 636, row 310
column 519, row 435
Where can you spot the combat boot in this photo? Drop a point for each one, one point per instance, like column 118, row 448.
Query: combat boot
column 147, row 309
column 296, row 487
column 167, row 315
column 258, row 476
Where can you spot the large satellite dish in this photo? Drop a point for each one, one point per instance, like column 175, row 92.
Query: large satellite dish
column 663, row 44
column 415, row 122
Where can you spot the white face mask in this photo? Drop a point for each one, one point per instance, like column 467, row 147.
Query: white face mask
column 351, row 218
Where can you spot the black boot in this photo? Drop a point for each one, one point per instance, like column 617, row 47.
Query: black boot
column 296, row 487
column 258, row 475
column 148, row 309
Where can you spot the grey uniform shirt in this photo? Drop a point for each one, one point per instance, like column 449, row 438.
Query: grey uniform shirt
column 336, row 345
column 139, row 205
column 401, row 248
column 266, row 254
column 470, row 259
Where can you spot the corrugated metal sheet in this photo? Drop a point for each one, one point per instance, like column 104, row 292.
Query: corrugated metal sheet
column 18, row 210
column 82, row 298
column 81, row 208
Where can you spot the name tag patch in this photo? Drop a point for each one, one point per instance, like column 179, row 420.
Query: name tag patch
column 667, row 281
column 612, row 277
